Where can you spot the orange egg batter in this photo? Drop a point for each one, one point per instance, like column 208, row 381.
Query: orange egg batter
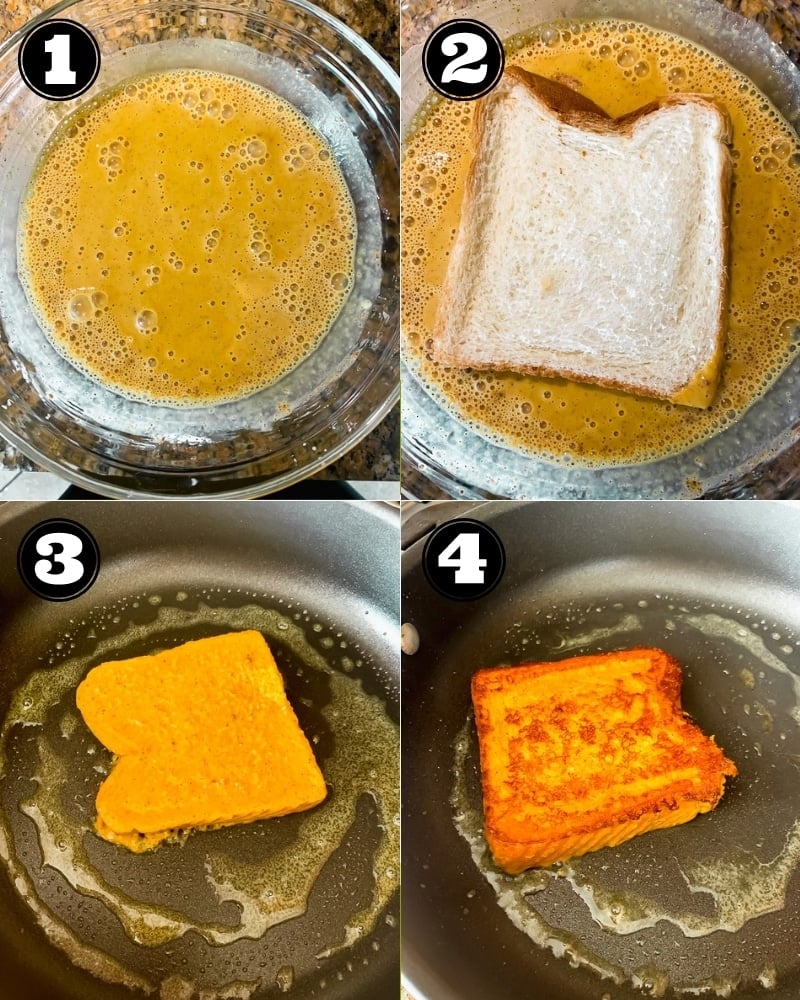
column 621, row 66
column 186, row 238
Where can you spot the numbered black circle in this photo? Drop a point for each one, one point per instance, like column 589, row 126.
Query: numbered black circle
column 58, row 559
column 463, row 59
column 59, row 59
column 464, row 559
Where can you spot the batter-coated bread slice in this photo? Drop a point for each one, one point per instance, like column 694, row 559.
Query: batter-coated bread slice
column 204, row 736
column 592, row 247
column 588, row 752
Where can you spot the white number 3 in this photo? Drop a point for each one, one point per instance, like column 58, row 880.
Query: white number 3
column 71, row 570
column 458, row 69
column 468, row 565
column 59, row 72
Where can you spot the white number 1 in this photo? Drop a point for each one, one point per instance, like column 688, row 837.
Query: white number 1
column 59, row 72
column 468, row 565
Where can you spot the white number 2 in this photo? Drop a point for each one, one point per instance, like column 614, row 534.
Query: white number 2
column 458, row 69
column 468, row 565
column 71, row 570
column 59, row 72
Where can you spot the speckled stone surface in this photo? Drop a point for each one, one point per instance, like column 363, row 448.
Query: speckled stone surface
column 377, row 457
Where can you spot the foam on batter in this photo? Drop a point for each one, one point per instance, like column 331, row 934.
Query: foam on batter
column 186, row 238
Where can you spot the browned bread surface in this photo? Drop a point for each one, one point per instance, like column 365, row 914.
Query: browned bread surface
column 588, row 752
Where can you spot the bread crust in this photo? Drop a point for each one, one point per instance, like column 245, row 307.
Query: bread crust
column 577, row 111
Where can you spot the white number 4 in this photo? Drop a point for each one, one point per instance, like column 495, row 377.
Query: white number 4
column 469, row 565
column 59, row 72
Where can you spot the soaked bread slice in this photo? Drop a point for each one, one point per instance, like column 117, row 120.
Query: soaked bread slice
column 591, row 247
column 587, row 753
column 204, row 736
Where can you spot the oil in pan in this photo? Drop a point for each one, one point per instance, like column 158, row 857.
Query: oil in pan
column 221, row 916
column 696, row 909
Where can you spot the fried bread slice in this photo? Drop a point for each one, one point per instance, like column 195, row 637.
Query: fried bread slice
column 588, row 752
column 204, row 736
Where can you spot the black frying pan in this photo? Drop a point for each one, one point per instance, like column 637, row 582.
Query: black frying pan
column 321, row 580
column 718, row 586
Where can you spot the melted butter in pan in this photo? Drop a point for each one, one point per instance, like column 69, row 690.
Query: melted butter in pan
column 360, row 759
column 700, row 908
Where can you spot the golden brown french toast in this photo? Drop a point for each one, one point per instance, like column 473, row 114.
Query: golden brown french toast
column 588, row 752
column 204, row 736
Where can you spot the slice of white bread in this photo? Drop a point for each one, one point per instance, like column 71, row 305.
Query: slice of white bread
column 591, row 247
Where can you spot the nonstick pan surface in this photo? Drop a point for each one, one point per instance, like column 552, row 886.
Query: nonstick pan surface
column 304, row 905
column 711, row 908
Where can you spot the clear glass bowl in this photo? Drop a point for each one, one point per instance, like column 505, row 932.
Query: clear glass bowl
column 117, row 447
column 442, row 457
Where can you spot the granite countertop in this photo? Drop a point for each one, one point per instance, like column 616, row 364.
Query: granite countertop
column 377, row 457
